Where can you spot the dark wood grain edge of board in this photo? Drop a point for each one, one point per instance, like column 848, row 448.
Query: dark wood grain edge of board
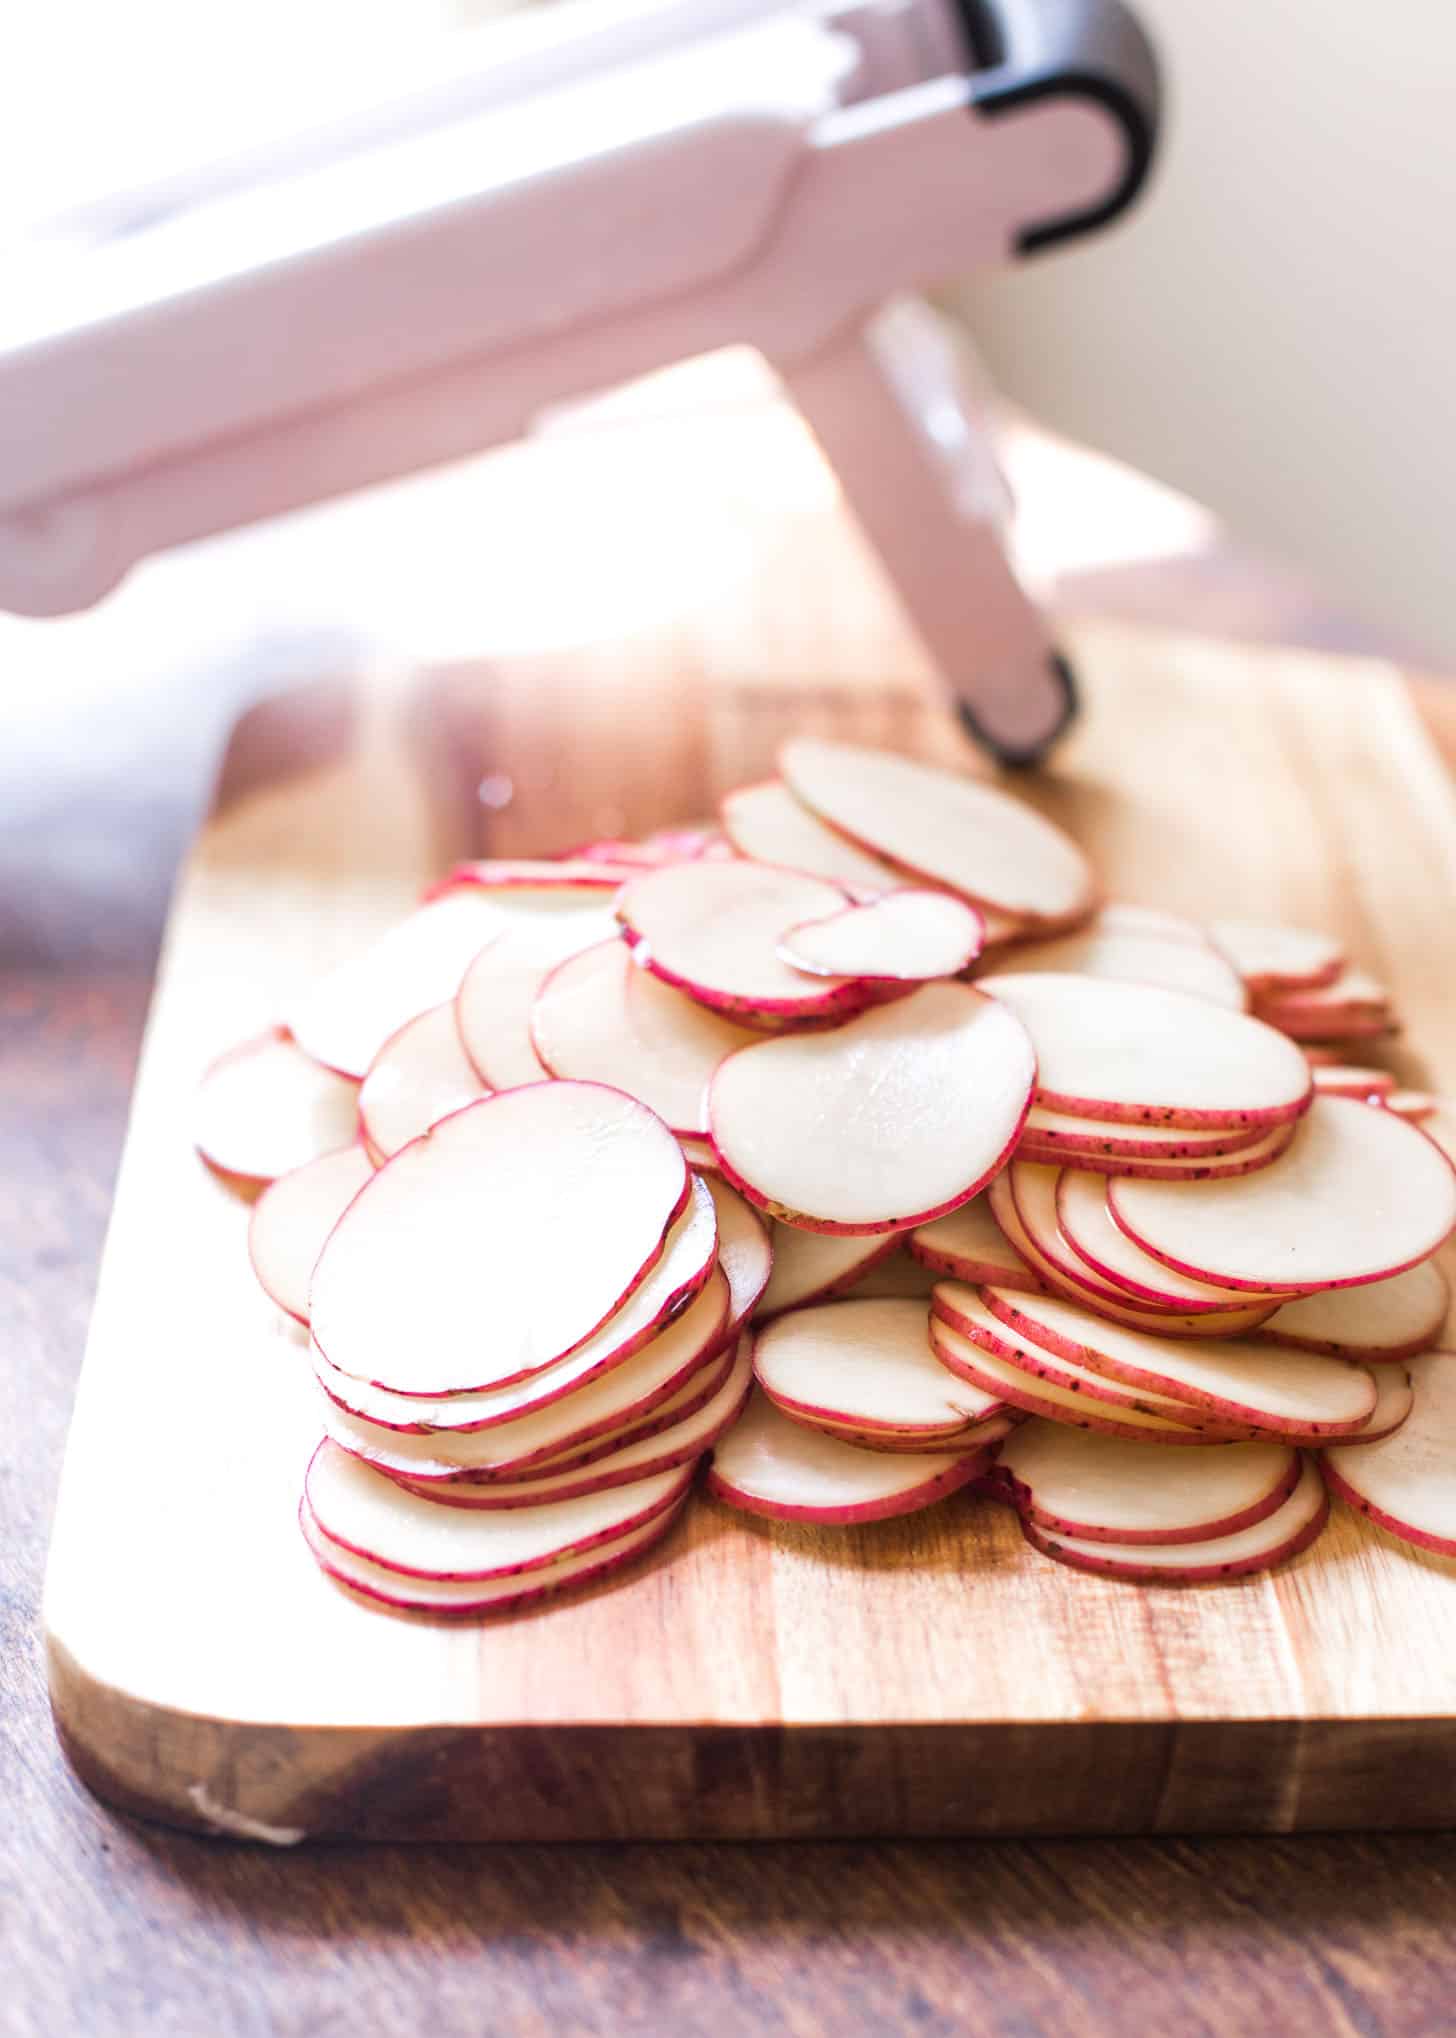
column 750, row 1782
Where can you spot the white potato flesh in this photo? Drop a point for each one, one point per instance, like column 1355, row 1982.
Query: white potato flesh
column 600, row 1018
column 1407, row 1482
column 686, row 1266
column 1383, row 1320
column 1279, row 1536
column 1240, row 1381
column 1088, row 1227
column 1168, row 960
column 499, row 1242
column 905, row 937
column 744, row 1251
column 770, row 1465
column 808, row 1265
column 1079, row 1483
column 1268, row 956
column 1140, row 1053
column 266, row 1108
column 345, row 1017
column 418, row 1077
column 1357, row 1196
column 971, row 1245
column 864, row 1365
column 959, row 832
column 766, row 822
column 713, row 930
column 292, row 1218
column 886, row 1121
column 496, row 997
column 480, row 1595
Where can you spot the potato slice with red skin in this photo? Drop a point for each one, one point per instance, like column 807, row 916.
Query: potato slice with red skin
column 787, row 1471
column 904, row 937
column 1273, row 958
column 497, row 994
column 1406, row 1483
column 744, row 1251
column 1136, row 1142
column 1066, row 1395
column 812, row 1266
column 498, row 1243
column 419, row 1076
column 765, row 822
column 265, row 1108
column 969, row 1245
column 865, row 1366
column 887, row 1121
column 1171, row 961
column 1343, row 1079
column 973, row 1437
column 1086, row 1224
column 293, row 1217
column 1248, row 1160
column 1380, row 1322
column 1280, row 1536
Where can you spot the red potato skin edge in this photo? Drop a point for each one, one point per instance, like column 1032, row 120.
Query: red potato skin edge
column 1412, row 1349
column 1274, row 983
column 1192, row 1117
column 1159, row 1297
column 1023, row 1500
column 978, row 1436
column 1229, row 1413
column 959, row 1268
column 1405, row 1532
column 1083, row 1282
column 813, row 1417
column 926, row 1494
column 488, row 1386
column 1318, row 1287
column 851, row 994
column 523, row 875
column 529, row 1595
column 1125, row 1142
column 1222, row 1170
column 577, row 1549
column 1137, row 1574
column 1028, row 1402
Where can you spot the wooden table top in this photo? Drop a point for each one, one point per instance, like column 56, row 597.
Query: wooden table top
column 110, row 1928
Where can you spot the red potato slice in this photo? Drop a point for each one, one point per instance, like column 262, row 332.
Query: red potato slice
column 344, row 1018
column 600, row 1018
column 699, row 1155
column 676, row 1444
column 418, row 1077
column 292, row 1218
column 1359, row 1196
column 1280, row 1536
column 687, row 1266
column 1394, row 1399
column 266, row 1108
column 359, row 1509
column 1406, row 1482
column 811, row 1266
column 865, row 1366
column 713, row 929
column 895, row 1278
column 1342, row 1079
column 768, row 824
column 1085, row 1403
column 768, row 1465
column 888, row 1121
column 1088, row 1227
column 1415, row 1106
column 1073, row 1482
column 498, row 993
column 465, row 1598
column 509, row 878
column 499, row 1242
column 1354, row 993
column 1032, row 1187
column 1138, row 1142
column 1142, row 1055
column 1118, row 916
column 1059, row 1280
column 960, row 833
column 680, row 1358
column 971, row 1246
column 1272, row 958
column 904, row 937
column 1247, row 1160
column 744, row 1252
column 974, row 1437
column 1380, row 1322
column 1242, row 1383
column 1172, row 961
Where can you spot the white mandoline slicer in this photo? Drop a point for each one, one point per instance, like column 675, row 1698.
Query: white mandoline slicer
column 615, row 192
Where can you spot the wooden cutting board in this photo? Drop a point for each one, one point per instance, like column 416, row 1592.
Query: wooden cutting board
column 931, row 1675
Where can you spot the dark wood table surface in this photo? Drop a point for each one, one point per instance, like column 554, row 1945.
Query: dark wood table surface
column 110, row 1928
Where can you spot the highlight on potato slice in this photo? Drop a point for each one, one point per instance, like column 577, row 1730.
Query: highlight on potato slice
column 971, row 1246
column 1379, row 1322
column 1359, row 1195
column 1406, row 1483
column 811, row 1266
column 1144, row 1055
column 767, row 823
column 768, row 1465
column 499, row 1242
column 865, row 1365
column 419, row 1076
column 713, row 931
column 497, row 995
column 266, row 1108
column 294, row 1215
column 886, row 1121
column 949, row 830
column 1171, row 961
column 344, row 1018
column 474, row 1597
column 601, row 1018
column 906, row 937
column 686, row 1266
column 1074, row 1482
column 1280, row 1536
column 1272, row 958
